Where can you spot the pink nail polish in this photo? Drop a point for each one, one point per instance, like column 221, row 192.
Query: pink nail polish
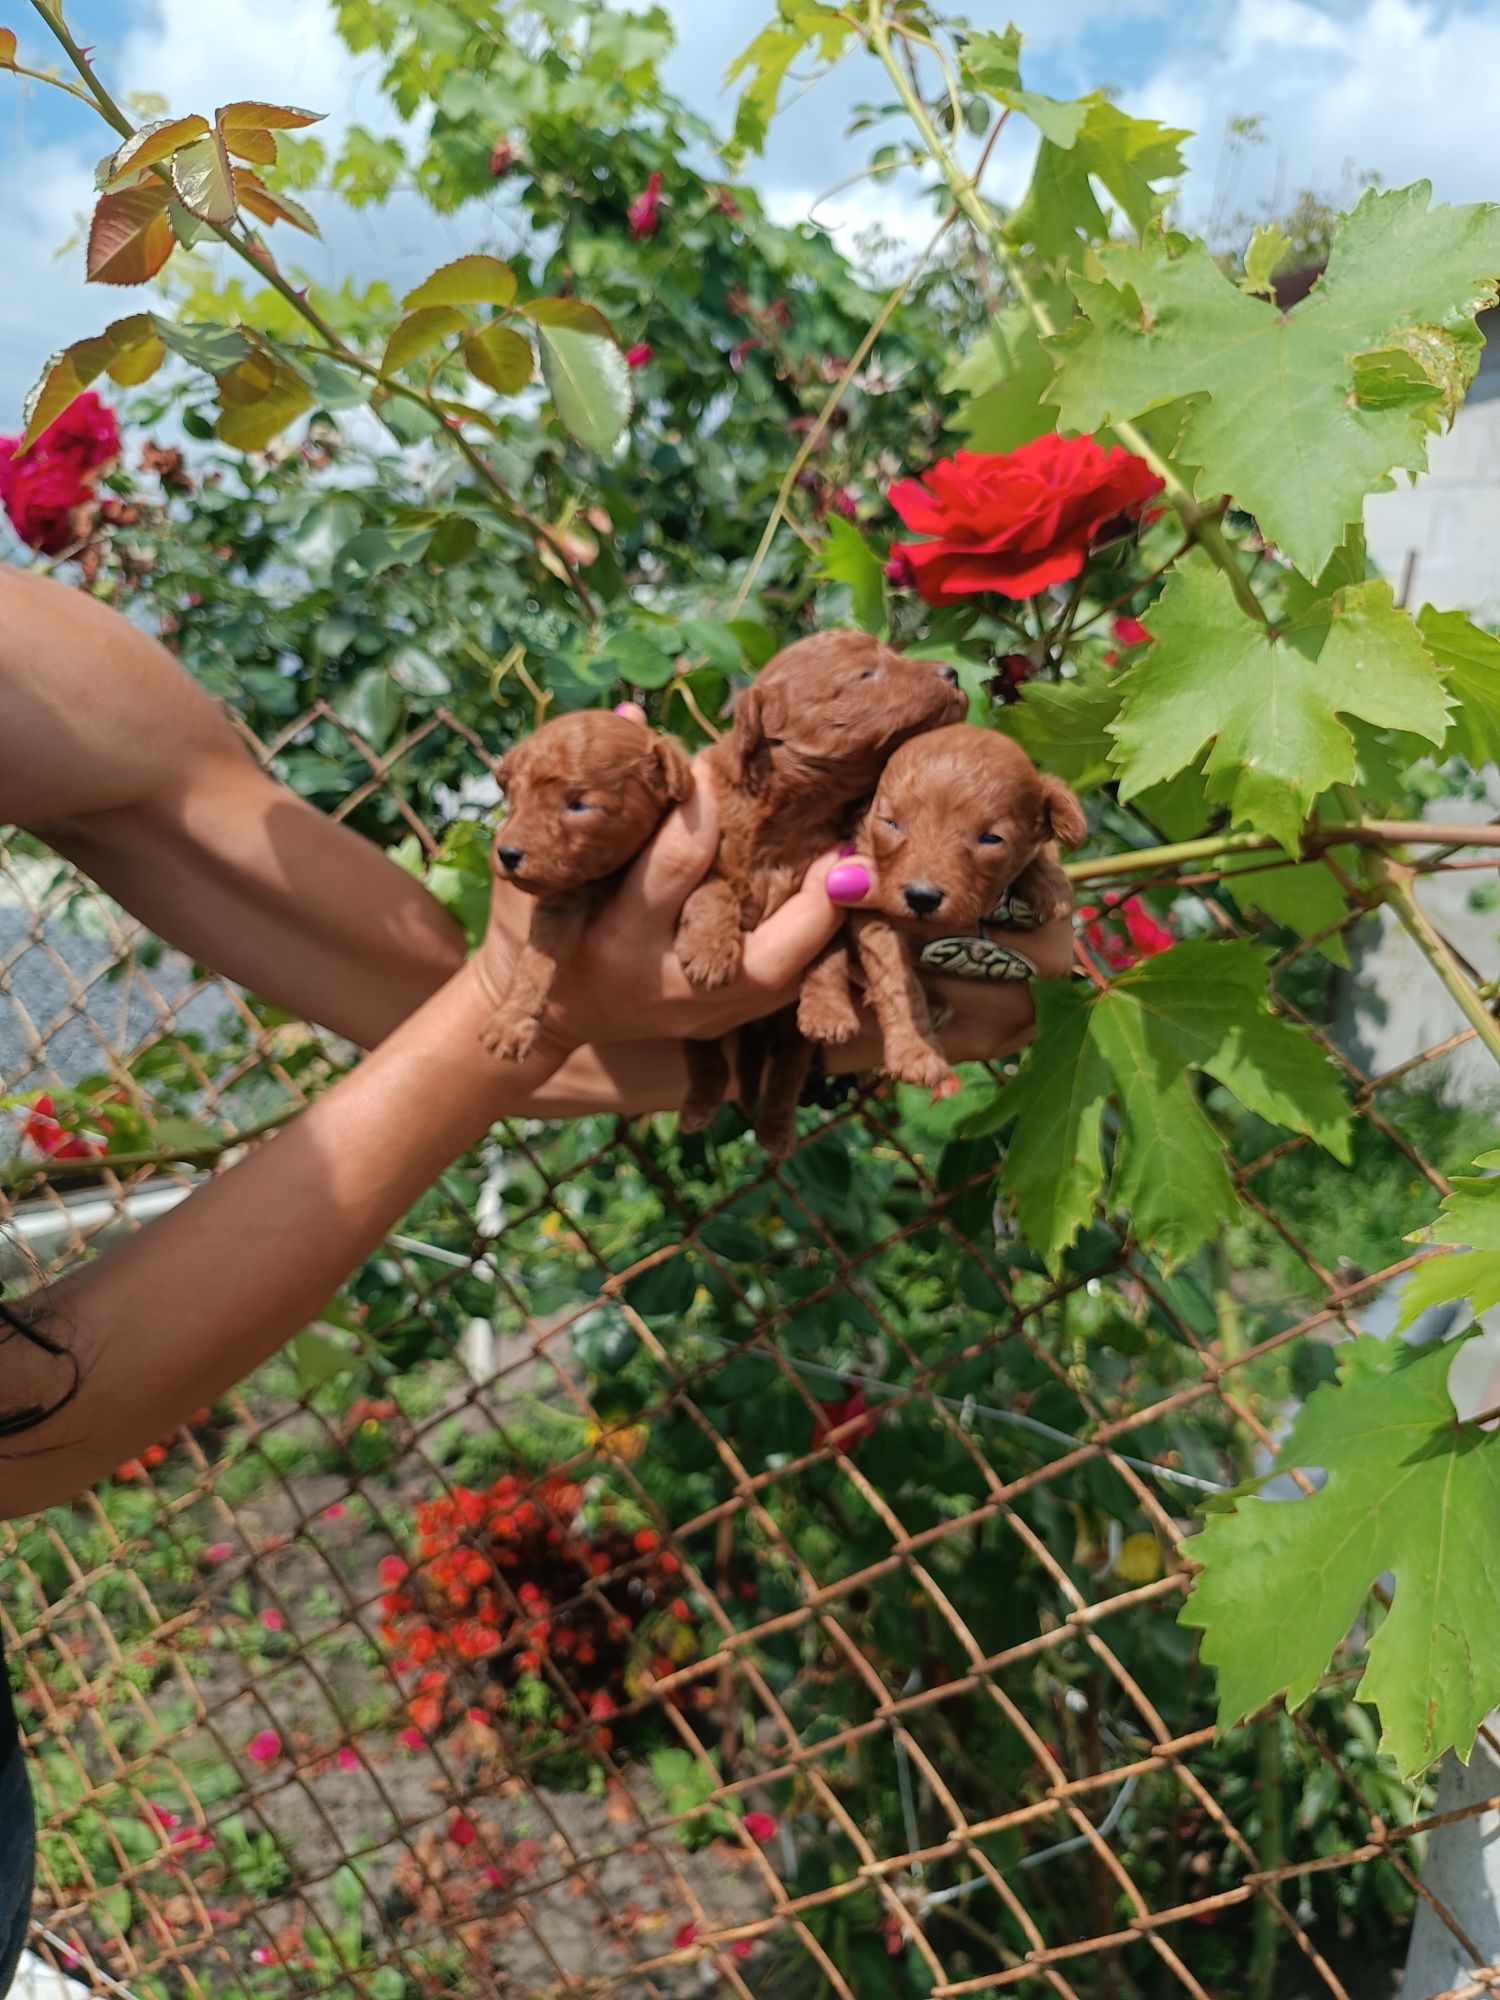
column 848, row 882
column 628, row 709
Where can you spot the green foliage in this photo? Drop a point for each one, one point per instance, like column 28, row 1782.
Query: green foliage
column 1282, row 1582
column 1299, row 414
column 1270, row 702
column 1470, row 1222
column 1202, row 1006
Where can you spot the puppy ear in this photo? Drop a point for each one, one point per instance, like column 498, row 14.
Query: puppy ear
column 747, row 737
column 676, row 768
column 505, row 770
column 1062, row 815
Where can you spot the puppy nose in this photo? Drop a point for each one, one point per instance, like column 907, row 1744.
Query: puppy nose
column 921, row 899
column 510, row 858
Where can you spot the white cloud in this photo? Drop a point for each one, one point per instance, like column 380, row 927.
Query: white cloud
column 1398, row 87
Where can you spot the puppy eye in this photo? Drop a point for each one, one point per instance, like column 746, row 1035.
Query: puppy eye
column 894, row 825
column 578, row 806
column 991, row 840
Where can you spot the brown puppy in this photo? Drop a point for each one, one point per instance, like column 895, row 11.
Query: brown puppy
column 583, row 796
column 809, row 740
column 961, row 818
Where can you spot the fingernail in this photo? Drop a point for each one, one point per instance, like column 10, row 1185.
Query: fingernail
column 631, row 710
column 847, row 849
column 848, row 882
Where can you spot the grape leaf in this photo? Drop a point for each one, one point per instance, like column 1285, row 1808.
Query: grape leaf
column 1269, row 248
column 1305, row 898
column 1470, row 660
column 1200, row 1006
column 771, row 55
column 1064, row 725
column 1270, row 704
column 1408, row 1489
column 1470, row 1219
column 1282, row 417
column 1004, row 380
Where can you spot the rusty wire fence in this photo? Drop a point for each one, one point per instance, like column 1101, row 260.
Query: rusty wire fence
column 660, row 1574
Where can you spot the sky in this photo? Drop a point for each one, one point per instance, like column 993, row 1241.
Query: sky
column 1401, row 88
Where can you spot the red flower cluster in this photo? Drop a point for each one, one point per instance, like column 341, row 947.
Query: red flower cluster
column 1128, row 632
column 1143, row 936
column 644, row 212
column 1015, row 522
column 56, row 1141
column 43, row 491
column 510, row 1583
column 851, row 1410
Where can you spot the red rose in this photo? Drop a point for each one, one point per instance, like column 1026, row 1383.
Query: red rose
column 638, row 356
column 42, row 491
column 1015, row 522
column 1130, row 632
column 644, row 212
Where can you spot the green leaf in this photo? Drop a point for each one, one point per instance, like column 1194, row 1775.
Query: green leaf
column 1053, row 1170
column 1269, row 705
column 1269, row 248
column 152, row 144
column 771, row 55
column 1005, row 378
column 1408, row 1487
column 418, row 334
column 128, row 344
column 1470, row 662
column 1469, row 1220
column 1305, row 898
column 499, row 357
column 1104, row 145
column 718, row 644
column 377, row 549
column 258, row 398
column 1200, row 1006
column 204, row 180
column 413, row 667
column 637, row 661
column 1276, row 418
column 373, row 706
column 584, row 369
column 1064, row 725
column 326, row 527
column 215, row 349
column 846, row 557
column 468, row 281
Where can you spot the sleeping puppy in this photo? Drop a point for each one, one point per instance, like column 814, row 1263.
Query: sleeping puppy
column 583, row 795
column 808, row 742
column 962, row 821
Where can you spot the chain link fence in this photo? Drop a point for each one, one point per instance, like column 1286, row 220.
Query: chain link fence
column 660, row 1574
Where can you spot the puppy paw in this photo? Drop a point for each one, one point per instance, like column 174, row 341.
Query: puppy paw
column 511, row 1041
column 827, row 1019
column 696, row 1116
column 778, row 1138
column 920, row 1066
column 709, row 962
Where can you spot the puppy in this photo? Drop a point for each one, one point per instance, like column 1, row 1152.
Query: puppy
column 961, row 819
column 583, row 795
column 808, row 742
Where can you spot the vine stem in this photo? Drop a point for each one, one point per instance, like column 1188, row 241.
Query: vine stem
column 1395, row 879
column 1375, row 833
column 266, row 266
column 1270, row 1845
column 1202, row 525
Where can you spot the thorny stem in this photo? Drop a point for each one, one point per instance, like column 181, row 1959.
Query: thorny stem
column 265, row 265
column 1202, row 525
